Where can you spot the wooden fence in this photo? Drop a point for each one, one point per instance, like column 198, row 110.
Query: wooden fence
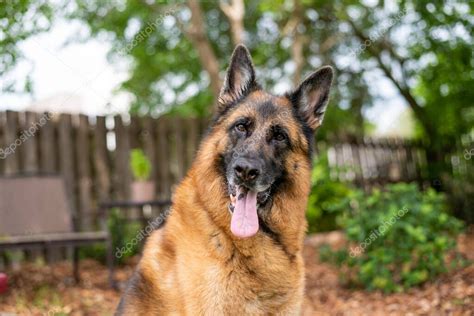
column 375, row 162
column 92, row 154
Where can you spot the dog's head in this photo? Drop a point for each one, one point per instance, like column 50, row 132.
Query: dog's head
column 264, row 139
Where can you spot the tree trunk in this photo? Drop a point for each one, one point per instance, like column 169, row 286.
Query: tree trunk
column 235, row 14
column 299, row 40
column 197, row 34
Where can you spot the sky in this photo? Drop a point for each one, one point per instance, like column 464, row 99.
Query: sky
column 77, row 78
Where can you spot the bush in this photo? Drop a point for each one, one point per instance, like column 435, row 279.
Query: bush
column 140, row 165
column 123, row 232
column 402, row 238
column 328, row 199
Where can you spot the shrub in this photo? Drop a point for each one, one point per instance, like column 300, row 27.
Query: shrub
column 140, row 165
column 402, row 238
column 123, row 232
column 328, row 198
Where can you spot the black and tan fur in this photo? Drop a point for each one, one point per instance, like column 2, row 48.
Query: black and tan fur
column 195, row 265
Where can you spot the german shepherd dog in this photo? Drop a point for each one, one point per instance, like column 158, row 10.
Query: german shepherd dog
column 232, row 244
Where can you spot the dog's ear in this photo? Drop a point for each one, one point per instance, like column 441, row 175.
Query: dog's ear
column 239, row 80
column 311, row 97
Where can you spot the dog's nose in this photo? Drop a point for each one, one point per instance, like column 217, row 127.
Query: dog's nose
column 246, row 171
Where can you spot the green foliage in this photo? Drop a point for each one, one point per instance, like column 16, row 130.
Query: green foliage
column 445, row 56
column 140, row 165
column 328, row 198
column 400, row 237
column 430, row 41
column 166, row 74
column 20, row 20
column 123, row 232
column 125, row 235
column 96, row 251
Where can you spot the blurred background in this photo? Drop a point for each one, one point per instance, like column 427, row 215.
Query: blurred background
column 103, row 105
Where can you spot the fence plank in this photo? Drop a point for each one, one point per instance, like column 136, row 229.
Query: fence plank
column 30, row 130
column 410, row 162
column 148, row 137
column 28, row 155
column 48, row 157
column 162, row 153
column 84, row 173
column 47, row 146
column 194, row 136
column 388, row 162
column 67, row 159
column 357, row 165
column 371, row 162
column 135, row 132
column 3, row 121
column 402, row 154
column 179, row 136
column 122, row 156
column 101, row 161
column 12, row 165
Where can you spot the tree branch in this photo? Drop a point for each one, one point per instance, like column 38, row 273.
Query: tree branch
column 197, row 35
column 235, row 14
column 401, row 86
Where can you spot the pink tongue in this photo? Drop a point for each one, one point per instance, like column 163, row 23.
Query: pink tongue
column 244, row 221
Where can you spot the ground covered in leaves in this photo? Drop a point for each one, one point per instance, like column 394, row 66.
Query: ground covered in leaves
column 48, row 290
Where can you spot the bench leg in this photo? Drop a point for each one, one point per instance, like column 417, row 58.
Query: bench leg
column 110, row 262
column 75, row 260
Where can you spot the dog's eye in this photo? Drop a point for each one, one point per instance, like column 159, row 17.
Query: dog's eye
column 279, row 136
column 241, row 127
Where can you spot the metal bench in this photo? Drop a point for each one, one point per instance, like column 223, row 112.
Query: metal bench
column 35, row 213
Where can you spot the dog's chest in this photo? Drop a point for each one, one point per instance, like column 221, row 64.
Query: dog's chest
column 263, row 281
column 236, row 291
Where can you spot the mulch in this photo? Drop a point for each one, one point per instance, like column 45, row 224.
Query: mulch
column 48, row 290
column 450, row 294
